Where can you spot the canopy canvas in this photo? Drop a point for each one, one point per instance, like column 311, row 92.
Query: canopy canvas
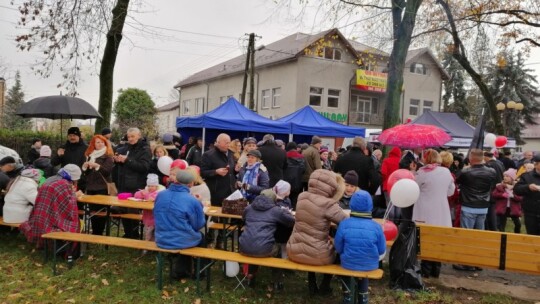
column 307, row 121
column 460, row 131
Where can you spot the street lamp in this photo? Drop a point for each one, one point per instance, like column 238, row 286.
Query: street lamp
column 512, row 106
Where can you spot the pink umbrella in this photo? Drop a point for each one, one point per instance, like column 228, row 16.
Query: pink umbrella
column 414, row 136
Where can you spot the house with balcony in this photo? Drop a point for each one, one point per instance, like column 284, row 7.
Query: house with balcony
column 342, row 79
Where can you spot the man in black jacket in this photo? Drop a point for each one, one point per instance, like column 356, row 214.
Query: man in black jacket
column 217, row 169
column 194, row 155
column 498, row 166
column 358, row 160
column 529, row 187
column 133, row 168
column 72, row 153
column 274, row 159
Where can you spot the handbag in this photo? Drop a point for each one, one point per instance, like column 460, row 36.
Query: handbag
column 235, row 207
column 111, row 187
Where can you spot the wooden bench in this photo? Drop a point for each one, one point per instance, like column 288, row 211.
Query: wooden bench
column 115, row 216
column 202, row 253
column 2, row 223
column 489, row 249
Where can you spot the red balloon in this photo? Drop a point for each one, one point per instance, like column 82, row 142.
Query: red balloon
column 180, row 164
column 390, row 230
column 501, row 141
column 397, row 175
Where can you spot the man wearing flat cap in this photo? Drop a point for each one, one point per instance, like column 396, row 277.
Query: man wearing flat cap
column 178, row 218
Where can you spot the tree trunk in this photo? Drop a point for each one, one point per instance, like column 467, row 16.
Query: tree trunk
column 106, row 74
column 458, row 52
column 403, row 28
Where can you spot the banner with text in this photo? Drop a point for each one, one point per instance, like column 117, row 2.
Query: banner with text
column 371, row 81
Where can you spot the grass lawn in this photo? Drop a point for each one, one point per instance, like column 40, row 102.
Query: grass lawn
column 119, row 275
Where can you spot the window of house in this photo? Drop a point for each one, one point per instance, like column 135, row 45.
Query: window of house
column 413, row 107
column 428, row 106
column 418, row 68
column 276, row 97
column 333, row 98
column 374, row 105
column 185, row 107
column 330, row 53
column 199, row 105
column 315, row 96
column 361, row 106
column 265, row 99
column 222, row 99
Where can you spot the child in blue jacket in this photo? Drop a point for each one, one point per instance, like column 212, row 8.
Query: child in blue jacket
column 360, row 242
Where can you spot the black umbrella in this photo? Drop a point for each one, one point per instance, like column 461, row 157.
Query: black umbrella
column 58, row 107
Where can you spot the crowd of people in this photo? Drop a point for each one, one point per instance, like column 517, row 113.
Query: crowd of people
column 297, row 192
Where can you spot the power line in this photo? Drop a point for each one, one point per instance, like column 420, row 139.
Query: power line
column 187, row 32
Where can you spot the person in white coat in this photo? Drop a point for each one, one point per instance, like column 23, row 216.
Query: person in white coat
column 21, row 196
column 436, row 185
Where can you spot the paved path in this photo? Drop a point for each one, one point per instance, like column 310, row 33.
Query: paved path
column 517, row 285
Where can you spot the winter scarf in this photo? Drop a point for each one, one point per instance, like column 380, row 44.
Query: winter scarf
column 251, row 176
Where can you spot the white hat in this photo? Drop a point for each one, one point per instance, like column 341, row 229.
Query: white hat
column 45, row 151
column 282, row 189
column 152, row 180
column 74, row 171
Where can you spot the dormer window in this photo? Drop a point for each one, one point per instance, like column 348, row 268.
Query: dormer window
column 418, row 68
column 331, row 53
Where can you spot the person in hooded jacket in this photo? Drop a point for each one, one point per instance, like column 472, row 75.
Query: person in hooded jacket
column 21, row 197
column 44, row 162
column 316, row 210
column 389, row 165
column 360, row 242
column 260, row 222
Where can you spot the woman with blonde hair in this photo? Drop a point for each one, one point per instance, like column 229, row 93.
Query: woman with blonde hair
column 97, row 168
column 236, row 147
column 159, row 151
column 436, row 185
column 200, row 190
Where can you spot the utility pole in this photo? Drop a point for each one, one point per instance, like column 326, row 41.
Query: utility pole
column 250, row 47
column 252, row 77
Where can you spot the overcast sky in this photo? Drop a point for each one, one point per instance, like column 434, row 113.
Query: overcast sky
column 156, row 65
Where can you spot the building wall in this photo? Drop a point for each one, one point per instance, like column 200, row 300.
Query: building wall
column 166, row 121
column 421, row 87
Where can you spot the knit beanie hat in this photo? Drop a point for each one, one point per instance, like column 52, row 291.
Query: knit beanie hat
column 316, row 140
column 351, row 178
column 152, row 180
column 282, row 189
column 106, row 131
column 269, row 193
column 73, row 170
column 291, row 146
column 74, row 131
column 32, row 173
column 511, row 173
column 45, row 151
column 167, row 138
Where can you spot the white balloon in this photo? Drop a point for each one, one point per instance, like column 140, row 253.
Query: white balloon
column 404, row 193
column 164, row 164
column 233, row 268
column 489, row 139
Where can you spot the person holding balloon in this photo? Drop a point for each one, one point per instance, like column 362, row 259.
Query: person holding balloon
column 360, row 243
column 436, row 185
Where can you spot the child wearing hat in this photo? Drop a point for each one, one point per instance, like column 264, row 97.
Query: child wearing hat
column 507, row 204
column 351, row 186
column 149, row 194
column 360, row 243
column 283, row 190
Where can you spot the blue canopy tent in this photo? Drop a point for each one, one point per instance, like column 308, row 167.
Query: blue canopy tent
column 233, row 117
column 307, row 121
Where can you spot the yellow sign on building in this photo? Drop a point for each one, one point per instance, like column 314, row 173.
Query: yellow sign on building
column 371, row 81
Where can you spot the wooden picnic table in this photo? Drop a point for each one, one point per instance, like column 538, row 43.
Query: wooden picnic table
column 111, row 201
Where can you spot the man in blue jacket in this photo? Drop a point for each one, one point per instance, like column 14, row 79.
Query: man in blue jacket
column 179, row 216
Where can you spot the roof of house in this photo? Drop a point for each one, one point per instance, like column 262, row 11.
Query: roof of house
column 170, row 106
column 288, row 49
